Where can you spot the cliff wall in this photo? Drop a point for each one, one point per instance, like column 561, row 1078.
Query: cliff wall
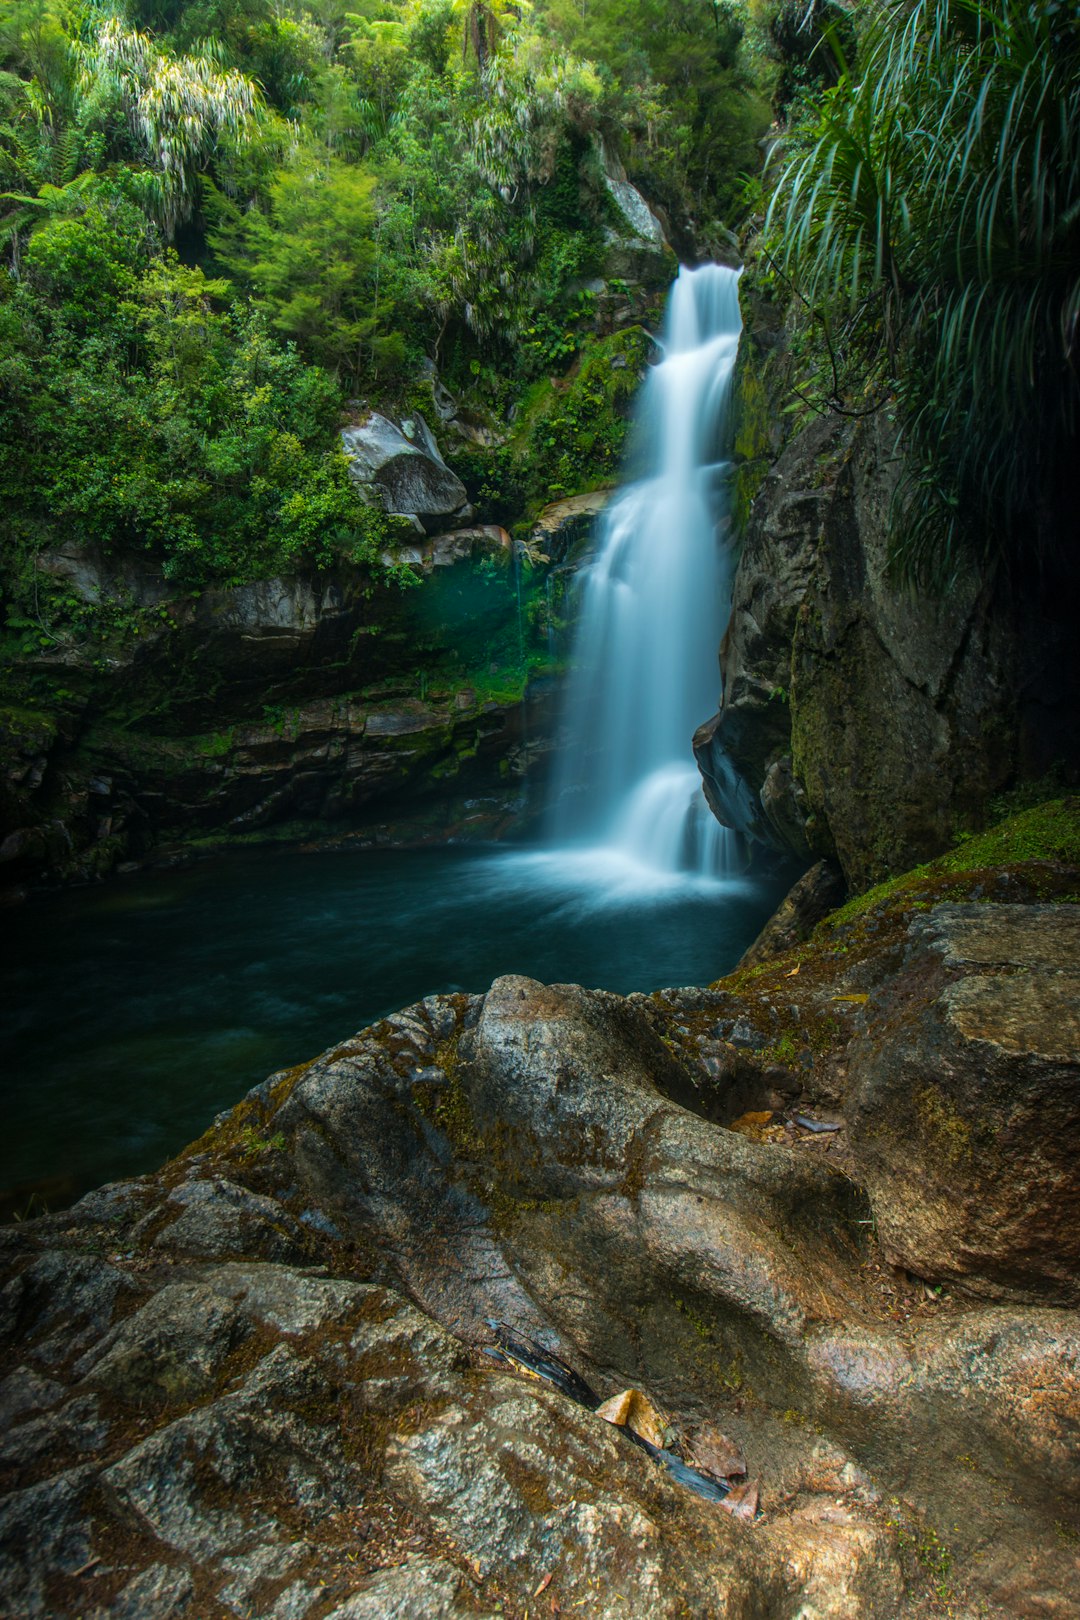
column 863, row 720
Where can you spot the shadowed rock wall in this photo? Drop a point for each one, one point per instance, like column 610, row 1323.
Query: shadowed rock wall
column 861, row 720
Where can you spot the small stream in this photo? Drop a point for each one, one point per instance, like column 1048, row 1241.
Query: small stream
column 134, row 1012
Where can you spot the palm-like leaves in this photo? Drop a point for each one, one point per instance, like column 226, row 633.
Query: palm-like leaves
column 178, row 107
column 942, row 184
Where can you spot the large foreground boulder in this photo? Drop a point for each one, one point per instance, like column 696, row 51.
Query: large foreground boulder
column 965, row 1101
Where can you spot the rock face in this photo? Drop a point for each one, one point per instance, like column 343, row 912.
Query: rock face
column 636, row 248
column 859, row 720
column 255, row 1382
column 965, row 1101
column 809, row 901
column 398, row 714
column 865, row 723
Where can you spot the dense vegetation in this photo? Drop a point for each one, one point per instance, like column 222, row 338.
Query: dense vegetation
column 929, row 216
column 223, row 218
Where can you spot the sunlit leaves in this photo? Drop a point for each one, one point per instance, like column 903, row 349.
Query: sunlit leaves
column 179, row 108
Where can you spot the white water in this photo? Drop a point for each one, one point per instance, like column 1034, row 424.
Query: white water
column 655, row 602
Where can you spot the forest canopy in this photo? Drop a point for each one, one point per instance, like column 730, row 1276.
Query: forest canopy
column 221, row 218
column 225, row 219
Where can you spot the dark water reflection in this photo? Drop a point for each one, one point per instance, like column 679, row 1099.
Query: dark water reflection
column 134, row 1012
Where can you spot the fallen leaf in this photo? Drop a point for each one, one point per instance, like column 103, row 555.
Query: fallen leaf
column 741, row 1500
column 753, row 1124
column 714, row 1453
column 859, row 1000
column 544, row 1584
column 791, row 974
column 633, row 1410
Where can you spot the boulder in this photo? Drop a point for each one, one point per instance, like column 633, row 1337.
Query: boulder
column 636, row 248
column 964, row 1102
column 258, row 1384
column 816, row 893
column 404, row 470
column 863, row 719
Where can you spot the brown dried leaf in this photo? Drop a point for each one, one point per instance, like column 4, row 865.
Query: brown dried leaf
column 714, row 1453
column 633, row 1410
column 792, row 972
column 742, row 1500
column 753, row 1125
column 544, row 1584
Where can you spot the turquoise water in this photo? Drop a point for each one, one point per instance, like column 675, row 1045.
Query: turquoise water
column 137, row 1010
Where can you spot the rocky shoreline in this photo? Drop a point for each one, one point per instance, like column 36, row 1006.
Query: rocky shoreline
column 255, row 1382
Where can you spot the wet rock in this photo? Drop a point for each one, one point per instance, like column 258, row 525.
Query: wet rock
column 526, row 1482
column 304, row 1440
column 964, row 1102
column 171, row 1349
column 68, row 1300
column 561, row 525
column 861, row 720
column 817, row 892
column 73, row 1428
column 847, row 1568
column 217, row 1218
column 295, row 698
column 424, row 1586
column 45, row 1534
column 162, row 1590
column 636, row 250
column 188, row 1483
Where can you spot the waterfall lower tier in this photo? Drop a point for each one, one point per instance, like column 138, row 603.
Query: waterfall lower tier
column 653, row 608
column 666, row 824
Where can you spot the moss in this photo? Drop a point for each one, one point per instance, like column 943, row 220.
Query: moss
column 729, row 1375
column 530, row 1483
column 949, row 1134
column 24, row 728
column 1047, row 833
column 572, row 436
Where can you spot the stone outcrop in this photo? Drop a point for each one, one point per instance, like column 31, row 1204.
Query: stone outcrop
column 965, row 1101
column 396, row 714
column 857, row 720
column 256, row 1381
column 808, row 902
column 403, row 469
column 636, row 247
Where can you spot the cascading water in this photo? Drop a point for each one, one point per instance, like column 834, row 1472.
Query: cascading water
column 653, row 608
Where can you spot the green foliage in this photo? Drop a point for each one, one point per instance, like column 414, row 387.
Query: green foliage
column 215, row 448
column 574, row 436
column 221, row 218
column 1049, row 832
column 930, row 216
column 691, row 90
column 310, row 260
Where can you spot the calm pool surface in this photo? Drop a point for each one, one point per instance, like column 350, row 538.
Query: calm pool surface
column 136, row 1011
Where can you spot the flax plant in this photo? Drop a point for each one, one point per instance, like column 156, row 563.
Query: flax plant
column 929, row 216
column 178, row 107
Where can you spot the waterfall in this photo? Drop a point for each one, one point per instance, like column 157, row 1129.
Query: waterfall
column 653, row 607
